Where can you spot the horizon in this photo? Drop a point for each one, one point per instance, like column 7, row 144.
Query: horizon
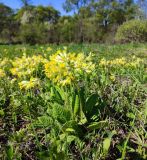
column 57, row 4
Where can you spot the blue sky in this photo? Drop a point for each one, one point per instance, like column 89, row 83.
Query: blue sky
column 55, row 3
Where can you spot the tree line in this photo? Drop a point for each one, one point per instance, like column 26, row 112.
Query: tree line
column 93, row 21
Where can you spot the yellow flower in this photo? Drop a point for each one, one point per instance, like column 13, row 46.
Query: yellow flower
column 2, row 73
column 48, row 49
column 32, row 83
column 112, row 77
column 66, row 81
column 118, row 62
column 13, row 80
column 25, row 66
column 121, row 62
column 135, row 63
column 103, row 62
column 4, row 62
column 64, row 68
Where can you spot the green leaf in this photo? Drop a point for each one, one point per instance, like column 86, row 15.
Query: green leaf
column 2, row 113
column 61, row 113
column 45, row 121
column 70, row 130
column 70, row 138
column 98, row 125
column 131, row 115
column 107, row 142
column 77, row 106
column 52, row 92
column 62, row 136
column 9, row 152
column 89, row 109
column 73, row 125
column 55, row 95
column 106, row 145
column 125, row 147
column 44, row 155
column 82, row 97
column 61, row 92
column 91, row 102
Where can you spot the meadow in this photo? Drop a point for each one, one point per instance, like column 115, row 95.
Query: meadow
column 78, row 102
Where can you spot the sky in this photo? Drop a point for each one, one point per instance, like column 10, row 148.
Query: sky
column 57, row 4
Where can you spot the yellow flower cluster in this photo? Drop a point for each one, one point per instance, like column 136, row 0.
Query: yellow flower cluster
column 112, row 77
column 49, row 49
column 3, row 63
column 2, row 73
column 32, row 83
column 25, row 66
column 135, row 62
column 121, row 62
column 63, row 67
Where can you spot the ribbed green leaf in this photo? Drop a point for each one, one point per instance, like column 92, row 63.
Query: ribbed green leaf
column 90, row 104
column 61, row 113
column 77, row 106
column 98, row 125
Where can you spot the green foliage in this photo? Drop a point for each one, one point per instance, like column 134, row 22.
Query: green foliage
column 34, row 33
column 91, row 21
column 25, row 2
column 77, row 106
column 7, row 23
column 132, row 31
column 10, row 152
column 95, row 118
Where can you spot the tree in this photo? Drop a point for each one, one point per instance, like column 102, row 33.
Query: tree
column 132, row 31
column 75, row 5
column 143, row 7
column 106, row 15
column 5, row 15
column 37, row 23
column 6, row 22
column 25, row 15
column 33, row 33
column 66, row 29
column 46, row 14
column 38, row 14
column 25, row 3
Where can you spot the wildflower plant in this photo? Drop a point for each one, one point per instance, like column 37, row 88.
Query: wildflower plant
column 3, row 67
column 65, row 68
column 121, row 67
column 72, row 104
column 121, row 62
column 26, row 66
column 32, row 83
column 2, row 73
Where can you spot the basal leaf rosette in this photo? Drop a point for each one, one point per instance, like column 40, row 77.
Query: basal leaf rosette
column 65, row 68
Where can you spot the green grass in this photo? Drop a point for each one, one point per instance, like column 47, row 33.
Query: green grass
column 100, row 49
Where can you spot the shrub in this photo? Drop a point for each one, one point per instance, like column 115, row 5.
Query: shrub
column 132, row 31
column 33, row 33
